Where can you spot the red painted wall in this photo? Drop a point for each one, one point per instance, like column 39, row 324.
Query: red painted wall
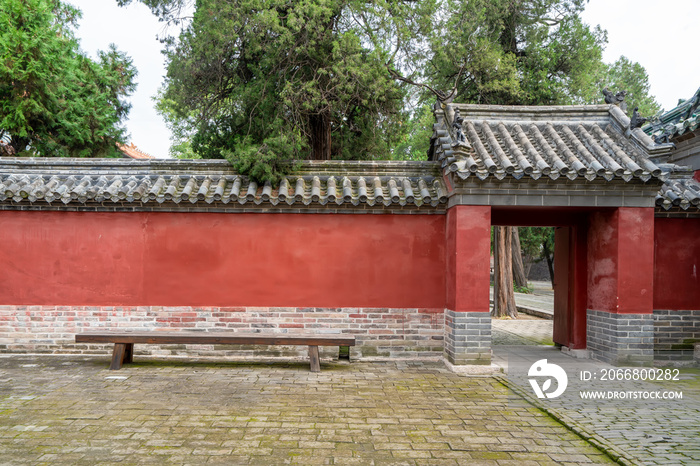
column 207, row 259
column 468, row 258
column 621, row 260
column 636, row 260
column 677, row 263
column 602, row 261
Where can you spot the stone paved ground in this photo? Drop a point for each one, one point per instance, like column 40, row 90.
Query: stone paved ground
column 645, row 431
column 62, row 410
column 539, row 302
column 525, row 330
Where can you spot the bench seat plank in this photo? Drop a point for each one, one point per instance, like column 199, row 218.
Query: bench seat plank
column 124, row 342
column 214, row 338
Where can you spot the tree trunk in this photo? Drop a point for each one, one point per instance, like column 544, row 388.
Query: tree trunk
column 320, row 136
column 519, row 275
column 550, row 260
column 504, row 297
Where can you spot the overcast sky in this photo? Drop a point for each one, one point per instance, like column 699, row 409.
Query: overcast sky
column 659, row 35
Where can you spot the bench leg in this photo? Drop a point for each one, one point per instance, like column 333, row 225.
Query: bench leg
column 129, row 353
column 117, row 356
column 313, row 359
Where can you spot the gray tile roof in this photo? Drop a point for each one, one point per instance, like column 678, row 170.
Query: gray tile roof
column 683, row 193
column 101, row 182
column 578, row 143
column 585, row 142
column 684, row 118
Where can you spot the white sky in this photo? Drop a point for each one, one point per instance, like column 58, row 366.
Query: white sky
column 659, row 35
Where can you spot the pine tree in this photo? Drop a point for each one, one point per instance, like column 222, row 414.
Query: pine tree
column 264, row 83
column 55, row 101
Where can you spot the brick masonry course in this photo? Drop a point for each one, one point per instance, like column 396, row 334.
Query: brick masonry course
column 675, row 333
column 620, row 339
column 380, row 332
column 468, row 337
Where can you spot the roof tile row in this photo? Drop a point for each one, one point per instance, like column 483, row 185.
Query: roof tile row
column 684, row 118
column 517, row 142
column 683, row 193
column 305, row 190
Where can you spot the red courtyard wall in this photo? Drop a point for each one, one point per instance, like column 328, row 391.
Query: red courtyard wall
column 677, row 264
column 620, row 261
column 211, row 259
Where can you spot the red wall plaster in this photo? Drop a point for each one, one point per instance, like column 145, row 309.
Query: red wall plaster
column 468, row 258
column 207, row 259
column 677, row 263
column 621, row 260
column 635, row 279
column 602, row 261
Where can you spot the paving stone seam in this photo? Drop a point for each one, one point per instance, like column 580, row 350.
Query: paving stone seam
column 611, row 450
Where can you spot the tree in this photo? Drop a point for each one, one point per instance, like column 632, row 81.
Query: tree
column 263, row 83
column 519, row 52
column 504, row 298
column 519, row 275
column 53, row 99
column 628, row 76
column 414, row 139
column 538, row 244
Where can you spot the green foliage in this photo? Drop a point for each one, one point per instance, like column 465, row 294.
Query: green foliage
column 511, row 52
column 532, row 239
column 631, row 77
column 276, row 81
column 537, row 244
column 415, row 136
column 283, row 81
column 53, row 99
column 523, row 289
column 516, row 52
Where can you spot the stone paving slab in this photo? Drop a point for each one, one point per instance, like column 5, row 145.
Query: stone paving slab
column 71, row 410
column 539, row 303
column 522, row 331
column 641, row 431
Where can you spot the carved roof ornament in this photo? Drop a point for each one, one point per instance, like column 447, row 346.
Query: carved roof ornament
column 5, row 144
column 615, row 99
column 637, row 121
column 460, row 140
column 664, row 137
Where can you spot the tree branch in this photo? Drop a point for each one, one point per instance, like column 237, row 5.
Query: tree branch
column 439, row 94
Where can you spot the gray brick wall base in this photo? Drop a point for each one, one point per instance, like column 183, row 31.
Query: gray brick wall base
column 380, row 333
column 621, row 339
column 675, row 335
column 467, row 337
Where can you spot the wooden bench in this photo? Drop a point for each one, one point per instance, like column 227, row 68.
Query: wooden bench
column 124, row 342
